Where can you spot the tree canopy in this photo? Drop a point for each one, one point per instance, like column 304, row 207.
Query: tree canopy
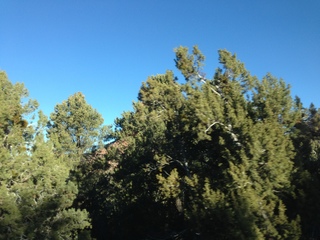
column 75, row 126
column 227, row 157
column 36, row 196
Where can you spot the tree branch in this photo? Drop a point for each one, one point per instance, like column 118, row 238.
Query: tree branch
column 202, row 79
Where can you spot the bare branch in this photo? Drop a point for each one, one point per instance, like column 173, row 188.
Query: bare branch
column 229, row 130
column 211, row 126
column 202, row 79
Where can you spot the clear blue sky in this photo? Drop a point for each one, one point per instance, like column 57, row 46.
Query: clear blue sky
column 106, row 49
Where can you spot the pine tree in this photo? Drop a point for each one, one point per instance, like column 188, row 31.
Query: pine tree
column 254, row 153
column 13, row 134
column 35, row 194
column 75, row 127
column 210, row 158
column 148, row 136
column 306, row 178
column 78, row 136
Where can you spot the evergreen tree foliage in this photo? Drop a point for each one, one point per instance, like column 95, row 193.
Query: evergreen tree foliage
column 75, row 127
column 231, row 157
column 209, row 158
column 306, row 178
column 35, row 194
column 76, row 130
